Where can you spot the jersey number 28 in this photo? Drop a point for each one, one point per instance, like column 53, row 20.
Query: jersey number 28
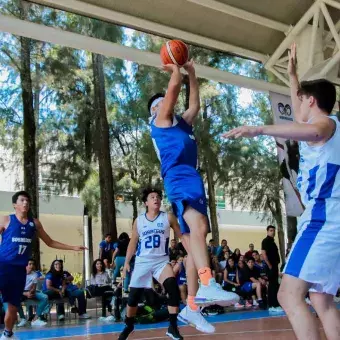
column 153, row 242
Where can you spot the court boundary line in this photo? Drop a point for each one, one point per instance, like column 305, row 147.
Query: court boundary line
column 159, row 328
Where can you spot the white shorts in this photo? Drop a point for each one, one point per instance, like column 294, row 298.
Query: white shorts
column 315, row 255
column 147, row 268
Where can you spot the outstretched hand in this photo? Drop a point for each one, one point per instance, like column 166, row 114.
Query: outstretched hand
column 243, row 131
column 79, row 248
column 189, row 66
column 292, row 61
column 170, row 68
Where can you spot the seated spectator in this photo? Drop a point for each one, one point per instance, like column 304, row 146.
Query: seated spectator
column 261, row 266
column 216, row 270
column 106, row 248
column 173, row 263
column 242, row 258
column 55, row 287
column 223, row 247
column 174, row 252
column 180, row 274
column 252, row 283
column 118, row 258
column 30, row 292
column 100, row 285
column 231, row 277
column 211, row 247
column 236, row 255
column 249, row 253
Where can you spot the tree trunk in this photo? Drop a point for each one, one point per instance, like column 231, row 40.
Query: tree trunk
column 291, row 229
column 29, row 119
column 211, row 183
column 107, row 198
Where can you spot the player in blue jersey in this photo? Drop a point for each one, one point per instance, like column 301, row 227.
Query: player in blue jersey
column 176, row 148
column 313, row 263
column 18, row 231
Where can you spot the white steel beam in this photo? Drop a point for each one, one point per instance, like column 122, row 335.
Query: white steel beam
column 119, row 18
column 292, row 34
column 313, row 37
column 330, row 24
column 74, row 40
column 242, row 14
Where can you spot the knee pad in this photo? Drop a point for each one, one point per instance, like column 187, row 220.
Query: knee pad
column 171, row 287
column 134, row 296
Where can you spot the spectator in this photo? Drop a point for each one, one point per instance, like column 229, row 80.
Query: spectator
column 219, row 251
column 105, row 250
column 173, row 263
column 181, row 249
column 231, row 277
column 100, row 285
column 252, row 282
column 216, row 269
column 236, row 255
column 31, row 292
column 173, row 250
column 242, row 258
column 271, row 256
column 212, row 248
column 118, row 258
column 260, row 265
column 249, row 253
column 55, row 287
column 180, row 273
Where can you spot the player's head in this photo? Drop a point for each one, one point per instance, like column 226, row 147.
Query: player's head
column 316, row 95
column 231, row 262
column 30, row 265
column 271, row 231
column 108, row 237
column 250, row 263
column 155, row 103
column 152, row 198
column 21, row 201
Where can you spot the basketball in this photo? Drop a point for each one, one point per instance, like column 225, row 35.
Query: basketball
column 174, row 52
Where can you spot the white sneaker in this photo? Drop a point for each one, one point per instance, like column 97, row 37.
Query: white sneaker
column 195, row 319
column 38, row 323
column 275, row 310
column 238, row 305
column 110, row 318
column 61, row 317
column 213, row 294
column 255, row 303
column 22, row 323
column 4, row 337
column 84, row 316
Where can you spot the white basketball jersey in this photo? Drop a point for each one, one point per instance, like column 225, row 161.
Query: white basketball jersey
column 319, row 177
column 153, row 235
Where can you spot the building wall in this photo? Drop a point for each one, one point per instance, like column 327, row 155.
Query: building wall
column 62, row 218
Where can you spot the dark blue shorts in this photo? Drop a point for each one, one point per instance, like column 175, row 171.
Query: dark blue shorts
column 185, row 189
column 247, row 287
column 12, row 283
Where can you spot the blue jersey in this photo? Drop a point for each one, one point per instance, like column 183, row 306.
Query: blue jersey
column 16, row 244
column 175, row 146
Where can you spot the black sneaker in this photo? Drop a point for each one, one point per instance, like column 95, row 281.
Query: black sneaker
column 173, row 333
column 126, row 332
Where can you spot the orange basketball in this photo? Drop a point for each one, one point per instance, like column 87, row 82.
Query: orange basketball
column 174, row 52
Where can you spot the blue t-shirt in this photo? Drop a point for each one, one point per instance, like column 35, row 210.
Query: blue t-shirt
column 107, row 248
column 175, row 146
column 16, row 244
column 57, row 281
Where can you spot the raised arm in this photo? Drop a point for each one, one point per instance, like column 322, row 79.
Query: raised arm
column 52, row 243
column 165, row 115
column 194, row 98
column 294, row 83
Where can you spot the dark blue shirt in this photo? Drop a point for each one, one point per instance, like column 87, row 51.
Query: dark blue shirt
column 57, row 281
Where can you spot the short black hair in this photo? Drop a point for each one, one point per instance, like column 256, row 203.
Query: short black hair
column 20, row 193
column 123, row 236
column 250, row 259
column 108, row 234
column 212, row 240
column 256, row 252
column 31, row 260
column 270, row 227
column 322, row 90
column 154, row 97
column 147, row 191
